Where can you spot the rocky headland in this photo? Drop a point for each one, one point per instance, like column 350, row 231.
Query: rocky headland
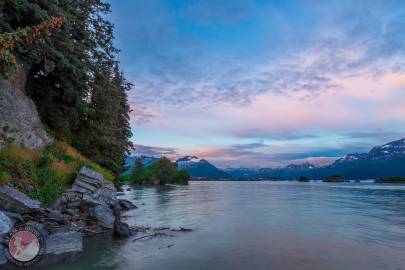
column 89, row 207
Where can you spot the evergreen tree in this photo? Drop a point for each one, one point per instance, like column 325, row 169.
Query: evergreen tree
column 105, row 130
column 74, row 78
column 165, row 170
column 138, row 166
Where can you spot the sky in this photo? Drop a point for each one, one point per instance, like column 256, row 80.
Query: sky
column 255, row 83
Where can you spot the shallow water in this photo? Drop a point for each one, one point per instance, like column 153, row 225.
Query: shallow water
column 260, row 225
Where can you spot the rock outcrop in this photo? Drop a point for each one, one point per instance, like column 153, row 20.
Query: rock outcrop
column 92, row 197
column 90, row 206
column 12, row 200
column 56, row 244
column 6, row 224
column 19, row 118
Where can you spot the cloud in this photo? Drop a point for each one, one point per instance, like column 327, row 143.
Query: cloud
column 378, row 135
column 263, row 155
column 193, row 74
column 154, row 151
column 264, row 82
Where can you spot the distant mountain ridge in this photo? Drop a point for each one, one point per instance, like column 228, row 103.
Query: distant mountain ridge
column 386, row 160
column 198, row 167
column 146, row 161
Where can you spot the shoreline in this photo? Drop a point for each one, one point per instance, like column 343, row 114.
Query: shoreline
column 90, row 208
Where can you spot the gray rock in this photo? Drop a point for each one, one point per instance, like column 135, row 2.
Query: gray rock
column 71, row 211
column 108, row 193
column 62, row 245
column 12, row 200
column 56, row 216
column 14, row 217
column 6, row 224
column 96, row 229
column 121, row 230
column 104, row 215
column 19, row 113
column 126, row 205
column 3, row 259
column 117, row 211
column 87, row 181
column 78, row 225
column 88, row 200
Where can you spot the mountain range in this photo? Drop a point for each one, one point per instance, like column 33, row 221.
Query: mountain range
column 196, row 167
column 386, row 160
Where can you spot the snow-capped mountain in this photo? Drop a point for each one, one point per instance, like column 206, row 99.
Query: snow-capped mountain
column 300, row 166
column 287, row 172
column 395, row 148
column 198, row 167
column 381, row 161
column 184, row 162
column 351, row 157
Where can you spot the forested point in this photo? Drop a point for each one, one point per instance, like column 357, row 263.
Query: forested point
column 74, row 77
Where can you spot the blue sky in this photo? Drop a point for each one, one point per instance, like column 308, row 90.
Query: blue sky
column 263, row 83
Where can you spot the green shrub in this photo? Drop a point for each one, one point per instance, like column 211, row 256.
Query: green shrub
column 4, row 178
column 163, row 171
column 44, row 175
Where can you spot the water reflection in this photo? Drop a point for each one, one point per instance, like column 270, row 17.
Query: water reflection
column 261, row 225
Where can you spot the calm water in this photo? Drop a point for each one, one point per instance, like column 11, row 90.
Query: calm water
column 261, row 225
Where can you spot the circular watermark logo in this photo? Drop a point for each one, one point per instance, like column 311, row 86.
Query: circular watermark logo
column 25, row 246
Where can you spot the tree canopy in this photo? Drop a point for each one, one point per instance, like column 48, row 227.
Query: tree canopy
column 74, row 77
column 163, row 172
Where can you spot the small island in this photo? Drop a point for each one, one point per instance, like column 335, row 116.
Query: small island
column 162, row 172
column 303, row 179
column 390, row 180
column 333, row 179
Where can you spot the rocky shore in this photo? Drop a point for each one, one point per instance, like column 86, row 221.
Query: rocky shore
column 89, row 207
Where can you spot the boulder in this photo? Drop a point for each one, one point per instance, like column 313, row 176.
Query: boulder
column 89, row 201
column 104, row 215
column 12, row 200
column 87, row 181
column 19, row 114
column 108, row 193
column 121, row 230
column 6, row 224
column 126, row 205
column 62, row 245
column 14, row 217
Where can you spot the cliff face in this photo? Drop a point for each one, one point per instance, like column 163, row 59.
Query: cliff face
column 19, row 114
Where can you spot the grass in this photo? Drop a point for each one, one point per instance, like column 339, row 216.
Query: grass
column 44, row 174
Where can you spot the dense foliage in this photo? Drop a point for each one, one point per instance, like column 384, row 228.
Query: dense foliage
column 162, row 172
column 43, row 174
column 303, row 179
column 74, row 79
column 391, row 180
